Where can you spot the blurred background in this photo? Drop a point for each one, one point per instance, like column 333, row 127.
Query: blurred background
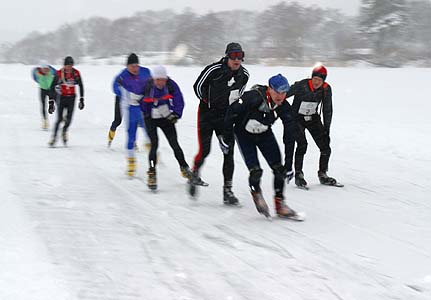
column 388, row 33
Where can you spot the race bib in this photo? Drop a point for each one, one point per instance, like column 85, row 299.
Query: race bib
column 308, row 108
column 234, row 95
column 160, row 112
column 254, row 126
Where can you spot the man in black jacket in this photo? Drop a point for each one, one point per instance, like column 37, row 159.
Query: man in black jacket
column 309, row 94
column 218, row 85
column 251, row 118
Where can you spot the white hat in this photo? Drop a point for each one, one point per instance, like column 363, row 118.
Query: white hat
column 158, row 72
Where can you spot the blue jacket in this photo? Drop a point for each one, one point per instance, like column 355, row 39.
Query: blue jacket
column 132, row 83
column 155, row 98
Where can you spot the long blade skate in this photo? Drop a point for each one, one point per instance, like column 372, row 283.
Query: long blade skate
column 295, row 216
column 192, row 189
column 326, row 180
column 300, row 181
column 303, row 187
column 336, row 184
column 285, row 212
column 260, row 204
column 152, row 180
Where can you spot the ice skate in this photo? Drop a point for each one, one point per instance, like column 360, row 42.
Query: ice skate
column 284, row 211
column 300, row 181
column 152, row 179
column 260, row 203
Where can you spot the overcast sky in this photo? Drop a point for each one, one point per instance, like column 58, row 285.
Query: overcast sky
column 19, row 17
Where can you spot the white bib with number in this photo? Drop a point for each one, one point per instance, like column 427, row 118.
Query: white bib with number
column 254, row 126
column 160, row 112
column 308, row 108
column 233, row 96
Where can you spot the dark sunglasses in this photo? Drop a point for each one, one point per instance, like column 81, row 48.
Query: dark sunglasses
column 236, row 55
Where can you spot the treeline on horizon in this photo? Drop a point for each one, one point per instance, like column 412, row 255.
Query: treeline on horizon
column 385, row 33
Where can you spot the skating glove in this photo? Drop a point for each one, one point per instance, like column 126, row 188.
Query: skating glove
column 51, row 107
column 81, row 103
column 224, row 146
column 172, row 117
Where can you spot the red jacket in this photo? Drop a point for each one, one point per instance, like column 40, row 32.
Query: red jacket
column 64, row 83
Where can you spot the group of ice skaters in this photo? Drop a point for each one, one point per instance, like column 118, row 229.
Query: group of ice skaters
column 151, row 99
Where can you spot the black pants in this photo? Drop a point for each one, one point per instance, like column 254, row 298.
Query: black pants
column 268, row 146
column 208, row 122
column 320, row 137
column 64, row 103
column 43, row 95
column 117, row 114
column 171, row 135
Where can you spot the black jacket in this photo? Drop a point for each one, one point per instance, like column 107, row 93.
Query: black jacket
column 256, row 105
column 214, row 85
column 304, row 92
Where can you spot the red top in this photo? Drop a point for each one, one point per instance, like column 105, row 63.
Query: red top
column 67, row 81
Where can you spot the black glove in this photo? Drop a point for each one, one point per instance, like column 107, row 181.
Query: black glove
column 172, row 117
column 51, row 107
column 81, row 103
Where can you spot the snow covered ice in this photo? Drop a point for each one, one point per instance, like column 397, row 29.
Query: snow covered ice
column 72, row 226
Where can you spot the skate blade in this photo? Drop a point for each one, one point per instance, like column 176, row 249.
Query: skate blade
column 337, row 184
column 298, row 216
column 192, row 191
column 264, row 212
column 266, row 215
column 152, row 187
column 238, row 205
column 303, row 187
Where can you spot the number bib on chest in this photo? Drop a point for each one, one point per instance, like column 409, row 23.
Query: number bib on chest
column 308, row 108
column 160, row 112
column 254, row 126
column 233, row 96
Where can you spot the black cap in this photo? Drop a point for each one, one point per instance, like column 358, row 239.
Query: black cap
column 132, row 59
column 68, row 61
column 319, row 71
column 233, row 47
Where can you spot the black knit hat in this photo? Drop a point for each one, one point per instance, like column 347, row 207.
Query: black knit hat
column 319, row 71
column 68, row 61
column 132, row 59
column 233, row 47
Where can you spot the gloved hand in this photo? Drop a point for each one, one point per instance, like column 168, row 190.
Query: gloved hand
column 288, row 174
column 81, row 103
column 173, row 118
column 224, row 146
column 51, row 106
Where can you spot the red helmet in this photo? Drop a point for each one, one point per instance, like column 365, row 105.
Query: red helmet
column 320, row 71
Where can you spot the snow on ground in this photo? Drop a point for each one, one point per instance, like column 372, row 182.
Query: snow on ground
column 72, row 226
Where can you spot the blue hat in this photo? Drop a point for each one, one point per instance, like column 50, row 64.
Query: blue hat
column 279, row 83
